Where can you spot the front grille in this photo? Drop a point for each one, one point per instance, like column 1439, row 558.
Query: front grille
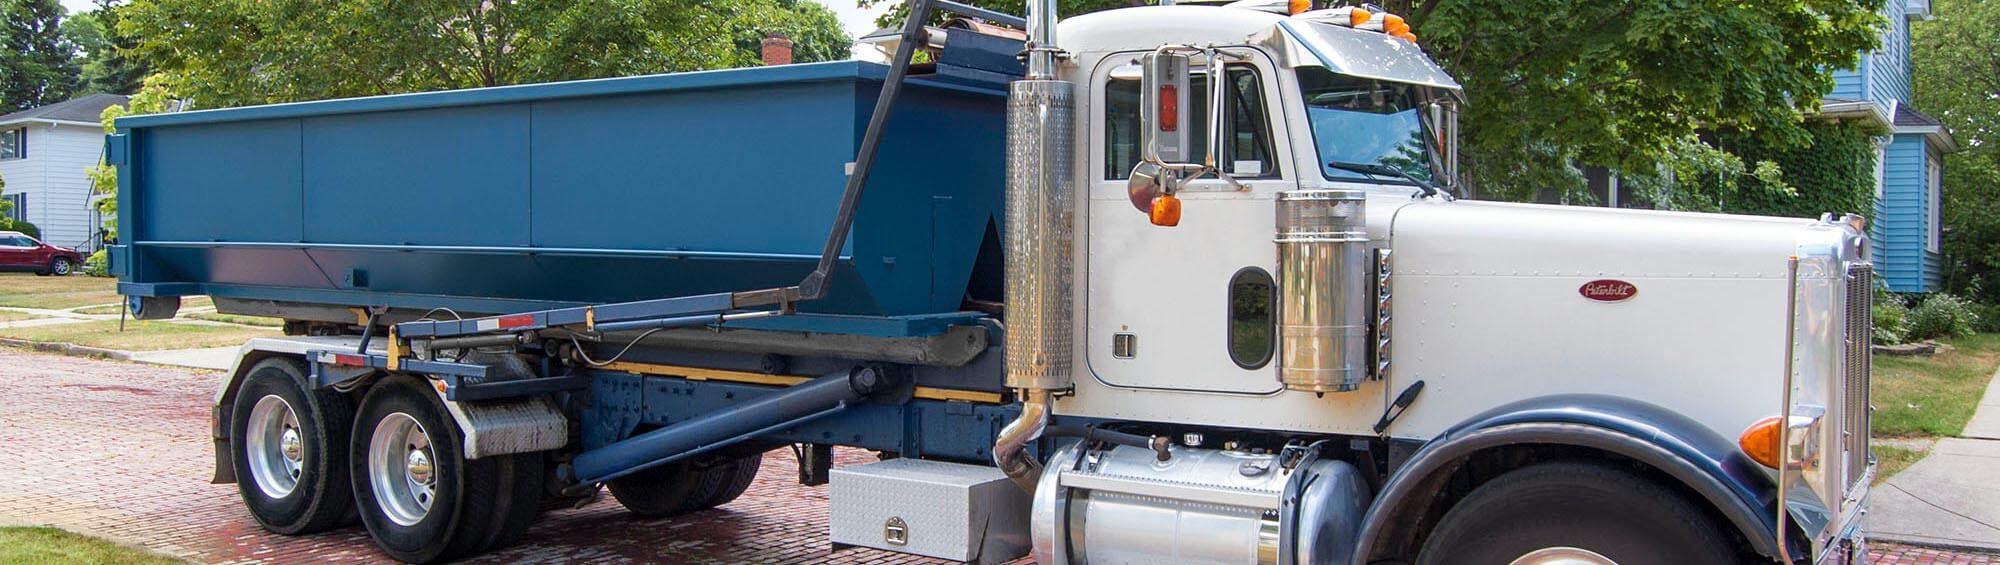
column 1860, row 332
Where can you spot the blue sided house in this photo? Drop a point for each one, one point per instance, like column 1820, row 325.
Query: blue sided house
column 1908, row 222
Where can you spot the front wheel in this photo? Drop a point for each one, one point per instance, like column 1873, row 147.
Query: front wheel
column 61, row 266
column 421, row 499
column 1576, row 512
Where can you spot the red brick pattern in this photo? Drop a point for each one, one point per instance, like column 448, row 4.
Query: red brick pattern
column 121, row 451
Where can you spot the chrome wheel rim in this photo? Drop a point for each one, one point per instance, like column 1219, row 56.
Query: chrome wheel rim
column 275, row 446
column 62, row 267
column 1563, row 556
column 402, row 469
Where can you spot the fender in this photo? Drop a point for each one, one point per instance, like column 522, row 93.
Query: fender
column 1704, row 462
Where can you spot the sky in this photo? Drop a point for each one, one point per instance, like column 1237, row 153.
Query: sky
column 858, row 21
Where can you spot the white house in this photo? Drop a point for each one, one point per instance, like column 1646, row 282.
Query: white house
column 43, row 155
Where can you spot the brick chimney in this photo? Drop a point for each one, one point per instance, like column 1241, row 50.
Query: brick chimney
column 777, row 49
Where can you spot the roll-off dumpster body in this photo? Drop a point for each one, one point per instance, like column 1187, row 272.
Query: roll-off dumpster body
column 505, row 199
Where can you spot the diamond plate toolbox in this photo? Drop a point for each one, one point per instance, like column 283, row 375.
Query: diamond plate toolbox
column 931, row 508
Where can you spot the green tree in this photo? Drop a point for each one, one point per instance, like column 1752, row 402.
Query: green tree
column 235, row 52
column 37, row 67
column 105, row 65
column 1558, row 84
column 1957, row 78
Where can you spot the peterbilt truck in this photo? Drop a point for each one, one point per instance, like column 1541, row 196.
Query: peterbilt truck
column 1168, row 284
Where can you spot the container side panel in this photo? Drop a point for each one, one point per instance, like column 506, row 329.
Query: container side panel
column 224, row 182
column 936, row 185
column 748, row 170
column 443, row 176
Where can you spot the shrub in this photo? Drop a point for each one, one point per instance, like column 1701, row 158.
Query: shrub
column 20, row 226
column 1892, row 318
column 1942, row 315
column 97, row 265
column 1988, row 320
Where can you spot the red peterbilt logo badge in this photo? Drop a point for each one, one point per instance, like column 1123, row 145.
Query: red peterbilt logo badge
column 1608, row 290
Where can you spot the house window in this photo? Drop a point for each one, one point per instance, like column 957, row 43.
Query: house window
column 14, row 143
column 1934, row 184
column 19, row 209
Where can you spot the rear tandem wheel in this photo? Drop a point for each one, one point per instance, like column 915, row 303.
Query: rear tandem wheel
column 421, row 499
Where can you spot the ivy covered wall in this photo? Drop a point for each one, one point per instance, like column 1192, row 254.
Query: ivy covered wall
column 1831, row 170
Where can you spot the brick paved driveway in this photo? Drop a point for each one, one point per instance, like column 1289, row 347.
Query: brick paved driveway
column 120, row 450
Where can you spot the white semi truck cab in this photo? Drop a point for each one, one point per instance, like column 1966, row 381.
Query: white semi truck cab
column 1188, row 284
column 1541, row 383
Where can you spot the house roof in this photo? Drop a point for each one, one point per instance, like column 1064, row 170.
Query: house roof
column 1907, row 116
column 83, row 109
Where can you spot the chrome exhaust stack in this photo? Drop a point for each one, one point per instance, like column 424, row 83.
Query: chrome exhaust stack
column 1040, row 243
column 1323, row 265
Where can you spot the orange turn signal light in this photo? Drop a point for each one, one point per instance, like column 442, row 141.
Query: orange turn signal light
column 1297, row 7
column 1394, row 25
column 1166, row 211
column 1760, row 441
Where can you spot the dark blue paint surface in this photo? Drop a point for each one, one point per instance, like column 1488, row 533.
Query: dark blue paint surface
column 581, row 192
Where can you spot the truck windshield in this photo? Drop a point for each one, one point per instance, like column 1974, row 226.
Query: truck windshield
column 1367, row 121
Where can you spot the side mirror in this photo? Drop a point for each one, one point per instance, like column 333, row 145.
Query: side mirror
column 1165, row 132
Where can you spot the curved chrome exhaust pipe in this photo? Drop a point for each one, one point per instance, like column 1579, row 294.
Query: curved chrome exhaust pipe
column 1010, row 450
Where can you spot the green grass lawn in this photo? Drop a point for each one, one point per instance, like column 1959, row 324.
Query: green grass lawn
column 55, row 293
column 1933, row 396
column 1892, row 460
column 238, row 319
column 50, row 545
column 9, row 316
column 138, row 335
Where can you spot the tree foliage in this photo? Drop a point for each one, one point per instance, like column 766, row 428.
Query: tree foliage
column 1831, row 170
column 1558, row 84
column 1957, row 78
column 37, row 66
column 103, row 50
column 152, row 98
column 236, row 52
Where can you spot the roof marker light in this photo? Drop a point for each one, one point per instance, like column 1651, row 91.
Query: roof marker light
column 1297, row 7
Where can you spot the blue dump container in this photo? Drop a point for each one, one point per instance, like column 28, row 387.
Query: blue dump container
column 507, row 199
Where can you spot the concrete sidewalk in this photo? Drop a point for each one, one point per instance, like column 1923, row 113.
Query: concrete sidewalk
column 1951, row 497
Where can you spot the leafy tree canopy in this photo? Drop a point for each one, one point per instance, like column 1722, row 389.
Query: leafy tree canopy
column 103, row 50
column 36, row 63
column 1957, row 79
column 1554, row 84
column 236, row 52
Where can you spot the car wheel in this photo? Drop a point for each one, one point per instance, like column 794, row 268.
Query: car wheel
column 420, row 498
column 1576, row 512
column 60, row 266
column 289, row 447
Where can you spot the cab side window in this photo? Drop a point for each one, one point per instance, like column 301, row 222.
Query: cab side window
column 1246, row 138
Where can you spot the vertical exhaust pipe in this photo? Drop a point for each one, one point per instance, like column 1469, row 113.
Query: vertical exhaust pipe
column 1040, row 242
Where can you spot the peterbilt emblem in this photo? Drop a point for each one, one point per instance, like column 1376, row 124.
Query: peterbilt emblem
column 1608, row 290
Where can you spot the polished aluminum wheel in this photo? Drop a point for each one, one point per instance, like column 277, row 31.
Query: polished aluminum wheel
column 402, row 469
column 275, row 446
column 1563, row 556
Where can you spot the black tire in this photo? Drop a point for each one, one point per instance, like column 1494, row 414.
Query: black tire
column 739, row 477
column 60, row 266
column 321, row 497
column 476, row 504
column 1613, row 512
column 682, row 487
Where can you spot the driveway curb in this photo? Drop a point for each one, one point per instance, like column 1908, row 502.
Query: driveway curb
column 70, row 349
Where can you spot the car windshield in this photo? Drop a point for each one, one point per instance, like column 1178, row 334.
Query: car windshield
column 1366, row 122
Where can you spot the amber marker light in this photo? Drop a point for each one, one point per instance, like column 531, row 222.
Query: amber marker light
column 1760, row 441
column 1299, row 6
column 1166, row 211
column 1358, row 16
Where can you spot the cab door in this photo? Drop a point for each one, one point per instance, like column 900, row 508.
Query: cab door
column 1190, row 307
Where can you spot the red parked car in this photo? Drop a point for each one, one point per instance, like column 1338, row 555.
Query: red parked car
column 18, row 252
